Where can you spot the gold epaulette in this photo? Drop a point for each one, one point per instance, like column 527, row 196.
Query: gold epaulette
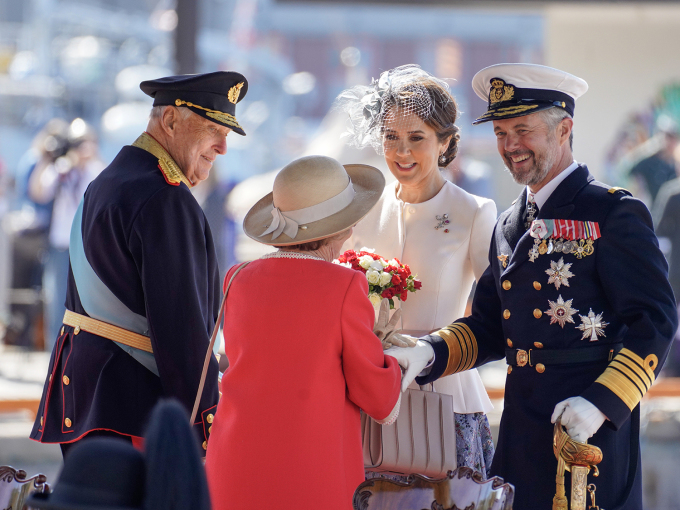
column 171, row 172
column 614, row 189
column 462, row 347
column 629, row 377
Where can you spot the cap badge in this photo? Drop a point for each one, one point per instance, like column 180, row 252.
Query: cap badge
column 500, row 91
column 234, row 92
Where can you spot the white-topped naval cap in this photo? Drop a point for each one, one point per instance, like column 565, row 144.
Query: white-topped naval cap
column 521, row 89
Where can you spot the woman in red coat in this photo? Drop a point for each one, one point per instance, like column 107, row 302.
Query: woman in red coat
column 303, row 358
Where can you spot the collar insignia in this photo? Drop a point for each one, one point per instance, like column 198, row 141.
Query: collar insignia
column 171, row 172
column 500, row 91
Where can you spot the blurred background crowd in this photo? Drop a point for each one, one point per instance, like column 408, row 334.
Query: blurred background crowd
column 69, row 99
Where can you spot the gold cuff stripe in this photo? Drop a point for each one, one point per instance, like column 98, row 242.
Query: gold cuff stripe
column 223, row 117
column 471, row 343
column 462, row 348
column 629, row 377
column 109, row 331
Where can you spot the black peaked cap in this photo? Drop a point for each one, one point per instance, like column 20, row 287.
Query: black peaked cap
column 210, row 95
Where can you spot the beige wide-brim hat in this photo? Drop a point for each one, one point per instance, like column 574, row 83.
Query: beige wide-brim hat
column 314, row 197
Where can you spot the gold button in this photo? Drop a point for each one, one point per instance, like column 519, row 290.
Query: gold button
column 205, row 445
column 62, row 330
column 509, row 343
column 507, row 284
column 67, row 422
column 537, row 286
column 66, row 380
column 506, row 314
column 540, row 368
column 538, row 345
column 509, row 369
column 210, row 429
column 76, row 330
column 41, row 421
column 537, row 313
column 210, row 418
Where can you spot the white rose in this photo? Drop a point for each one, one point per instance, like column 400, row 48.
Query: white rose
column 365, row 261
column 384, row 263
column 376, row 266
column 385, row 278
column 367, row 250
column 375, row 299
column 373, row 277
column 394, row 263
column 343, row 264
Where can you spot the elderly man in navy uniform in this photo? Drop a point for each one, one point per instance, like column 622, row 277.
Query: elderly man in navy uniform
column 143, row 290
column 576, row 299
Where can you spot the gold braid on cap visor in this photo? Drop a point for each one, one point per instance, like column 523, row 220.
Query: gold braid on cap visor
column 224, row 118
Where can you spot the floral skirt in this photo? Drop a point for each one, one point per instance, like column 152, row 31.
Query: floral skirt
column 474, row 445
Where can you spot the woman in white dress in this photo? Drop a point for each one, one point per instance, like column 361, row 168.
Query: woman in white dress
column 441, row 231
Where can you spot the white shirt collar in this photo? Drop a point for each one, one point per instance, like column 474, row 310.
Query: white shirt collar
column 542, row 196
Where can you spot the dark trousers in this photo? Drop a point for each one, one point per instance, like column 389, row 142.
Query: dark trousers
column 66, row 447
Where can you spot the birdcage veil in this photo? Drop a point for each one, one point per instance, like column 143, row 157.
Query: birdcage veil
column 398, row 97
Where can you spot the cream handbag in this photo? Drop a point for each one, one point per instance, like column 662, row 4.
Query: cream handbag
column 422, row 440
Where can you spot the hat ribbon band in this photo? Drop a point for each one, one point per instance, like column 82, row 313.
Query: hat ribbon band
column 288, row 222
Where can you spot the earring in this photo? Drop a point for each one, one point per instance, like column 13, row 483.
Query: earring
column 442, row 159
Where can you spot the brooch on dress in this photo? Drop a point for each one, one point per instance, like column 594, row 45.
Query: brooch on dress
column 443, row 221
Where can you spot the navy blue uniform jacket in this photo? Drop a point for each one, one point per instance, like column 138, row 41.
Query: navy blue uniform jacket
column 149, row 243
column 626, row 280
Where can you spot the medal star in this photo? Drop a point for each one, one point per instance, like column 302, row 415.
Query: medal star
column 592, row 326
column 561, row 311
column 533, row 252
column 559, row 273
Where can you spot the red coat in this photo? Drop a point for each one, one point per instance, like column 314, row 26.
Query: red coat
column 303, row 360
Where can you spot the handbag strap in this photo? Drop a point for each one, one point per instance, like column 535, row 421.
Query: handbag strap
column 208, row 354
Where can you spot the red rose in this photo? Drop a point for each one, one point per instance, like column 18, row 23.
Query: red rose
column 417, row 284
column 396, row 280
column 404, row 295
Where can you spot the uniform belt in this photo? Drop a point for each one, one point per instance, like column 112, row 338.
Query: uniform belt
column 520, row 357
column 106, row 330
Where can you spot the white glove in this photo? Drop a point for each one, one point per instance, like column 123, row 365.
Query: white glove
column 411, row 359
column 581, row 418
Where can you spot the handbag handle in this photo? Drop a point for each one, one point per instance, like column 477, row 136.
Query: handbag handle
column 204, row 373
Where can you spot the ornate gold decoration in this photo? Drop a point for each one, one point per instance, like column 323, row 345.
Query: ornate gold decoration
column 629, row 377
column 462, row 347
column 522, row 358
column 559, row 273
column 577, row 457
column 234, row 92
column 224, row 118
column 500, row 91
column 537, row 313
column 504, row 260
column 509, row 110
column 506, row 314
column 172, row 173
column 507, row 285
column 540, row 368
column 537, row 286
column 561, row 311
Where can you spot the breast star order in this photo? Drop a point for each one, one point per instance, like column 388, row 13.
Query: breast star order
column 561, row 311
column 592, row 326
column 559, row 273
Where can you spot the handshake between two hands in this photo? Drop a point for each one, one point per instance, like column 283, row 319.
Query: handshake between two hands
column 580, row 417
column 413, row 355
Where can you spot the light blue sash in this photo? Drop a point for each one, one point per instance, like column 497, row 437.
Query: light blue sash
column 99, row 302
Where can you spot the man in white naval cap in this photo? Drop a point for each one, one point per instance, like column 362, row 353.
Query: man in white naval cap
column 576, row 299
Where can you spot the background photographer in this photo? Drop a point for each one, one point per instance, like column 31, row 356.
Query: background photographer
column 63, row 182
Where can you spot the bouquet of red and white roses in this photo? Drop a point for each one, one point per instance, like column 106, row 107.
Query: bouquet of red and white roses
column 386, row 278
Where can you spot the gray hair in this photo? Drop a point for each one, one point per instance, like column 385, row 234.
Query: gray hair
column 553, row 116
column 157, row 112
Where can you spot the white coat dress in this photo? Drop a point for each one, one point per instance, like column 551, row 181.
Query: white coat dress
column 447, row 260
